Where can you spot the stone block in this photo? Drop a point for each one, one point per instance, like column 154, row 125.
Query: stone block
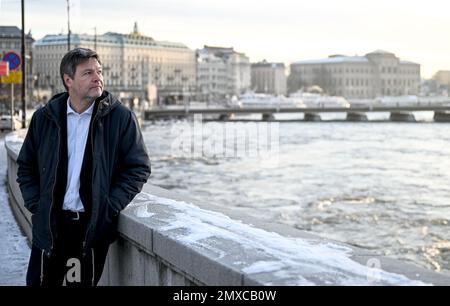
column 199, row 265
column 151, row 270
column 136, row 231
column 409, row 270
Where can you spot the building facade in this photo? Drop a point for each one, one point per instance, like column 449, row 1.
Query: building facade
column 212, row 78
column 132, row 64
column 378, row 73
column 11, row 41
column 221, row 74
column 269, row 78
column 442, row 78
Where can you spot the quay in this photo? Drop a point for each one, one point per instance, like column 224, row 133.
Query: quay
column 173, row 239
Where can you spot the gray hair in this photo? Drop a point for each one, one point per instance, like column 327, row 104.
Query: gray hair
column 72, row 59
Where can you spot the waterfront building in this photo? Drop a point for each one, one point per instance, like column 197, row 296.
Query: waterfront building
column 269, row 78
column 212, row 77
column 132, row 64
column 221, row 73
column 442, row 78
column 378, row 73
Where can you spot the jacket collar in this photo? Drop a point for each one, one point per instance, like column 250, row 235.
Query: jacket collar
column 56, row 107
column 87, row 111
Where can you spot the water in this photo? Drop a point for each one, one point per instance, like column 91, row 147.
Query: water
column 381, row 186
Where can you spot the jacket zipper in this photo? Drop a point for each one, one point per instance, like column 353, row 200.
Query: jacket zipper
column 42, row 267
column 93, row 268
column 53, row 189
column 54, row 184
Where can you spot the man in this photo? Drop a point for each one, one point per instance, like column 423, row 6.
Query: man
column 83, row 160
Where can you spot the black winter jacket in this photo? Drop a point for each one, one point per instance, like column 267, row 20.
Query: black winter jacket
column 120, row 167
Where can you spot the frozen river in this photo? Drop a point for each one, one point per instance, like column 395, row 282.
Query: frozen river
column 381, row 186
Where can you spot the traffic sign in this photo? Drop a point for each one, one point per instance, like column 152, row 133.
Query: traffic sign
column 4, row 68
column 14, row 77
column 13, row 59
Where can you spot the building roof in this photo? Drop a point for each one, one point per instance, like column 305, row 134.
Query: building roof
column 265, row 64
column 335, row 59
column 443, row 72
column 134, row 38
column 381, row 52
column 220, row 51
column 12, row 32
column 109, row 37
column 408, row 63
column 58, row 39
column 350, row 59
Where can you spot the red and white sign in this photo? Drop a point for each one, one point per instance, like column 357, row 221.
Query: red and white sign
column 14, row 60
column 4, row 68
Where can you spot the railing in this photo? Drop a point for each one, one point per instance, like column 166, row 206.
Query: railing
column 355, row 114
column 263, row 110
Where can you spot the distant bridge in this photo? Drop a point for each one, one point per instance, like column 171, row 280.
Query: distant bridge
column 354, row 113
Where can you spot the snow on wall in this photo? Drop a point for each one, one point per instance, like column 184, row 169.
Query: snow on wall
column 304, row 262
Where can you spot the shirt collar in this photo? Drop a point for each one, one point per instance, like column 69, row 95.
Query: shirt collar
column 71, row 111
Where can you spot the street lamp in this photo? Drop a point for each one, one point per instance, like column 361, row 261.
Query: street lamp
column 24, row 123
column 37, row 85
column 95, row 38
column 68, row 25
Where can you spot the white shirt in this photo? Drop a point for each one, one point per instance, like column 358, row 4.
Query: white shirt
column 77, row 134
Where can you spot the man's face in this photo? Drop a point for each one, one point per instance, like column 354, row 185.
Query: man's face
column 87, row 83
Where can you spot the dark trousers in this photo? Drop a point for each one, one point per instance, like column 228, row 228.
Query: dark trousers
column 67, row 263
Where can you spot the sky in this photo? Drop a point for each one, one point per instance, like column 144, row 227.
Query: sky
column 275, row 30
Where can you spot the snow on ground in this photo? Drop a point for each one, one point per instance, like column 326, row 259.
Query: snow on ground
column 14, row 249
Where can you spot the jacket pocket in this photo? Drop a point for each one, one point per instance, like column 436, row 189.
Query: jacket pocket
column 113, row 213
column 106, row 230
column 32, row 207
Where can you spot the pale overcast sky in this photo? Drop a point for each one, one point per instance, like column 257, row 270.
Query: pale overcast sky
column 276, row 30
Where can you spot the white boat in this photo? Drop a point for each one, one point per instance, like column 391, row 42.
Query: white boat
column 399, row 101
column 396, row 101
column 434, row 100
column 315, row 100
column 251, row 99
